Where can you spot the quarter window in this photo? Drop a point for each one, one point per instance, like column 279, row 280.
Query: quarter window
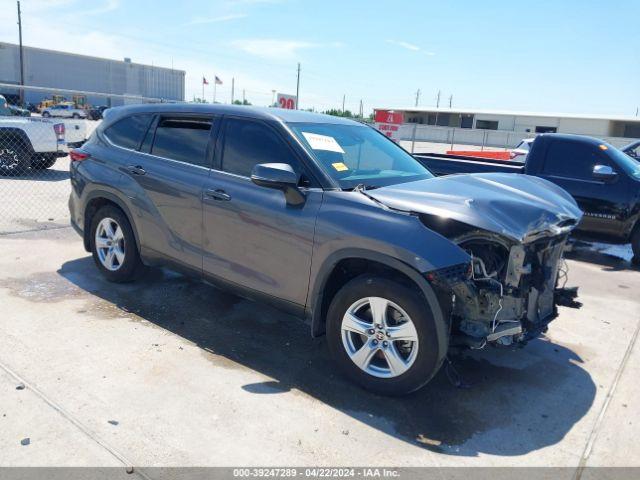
column 129, row 131
column 250, row 143
column 183, row 139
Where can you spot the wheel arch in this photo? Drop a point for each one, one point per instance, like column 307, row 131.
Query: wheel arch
column 96, row 200
column 329, row 280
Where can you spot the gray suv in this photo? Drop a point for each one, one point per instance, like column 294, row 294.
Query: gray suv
column 326, row 218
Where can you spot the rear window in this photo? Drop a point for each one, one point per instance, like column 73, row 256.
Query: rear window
column 184, row 139
column 129, row 131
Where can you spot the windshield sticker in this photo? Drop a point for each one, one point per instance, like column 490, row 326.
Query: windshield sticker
column 322, row 142
column 340, row 167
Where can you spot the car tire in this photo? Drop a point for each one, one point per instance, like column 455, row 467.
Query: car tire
column 75, row 115
column 46, row 114
column 14, row 159
column 400, row 303
column 114, row 251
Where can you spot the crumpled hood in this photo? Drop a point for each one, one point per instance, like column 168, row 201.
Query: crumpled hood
column 520, row 207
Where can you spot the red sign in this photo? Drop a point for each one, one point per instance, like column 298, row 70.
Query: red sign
column 290, row 102
column 389, row 116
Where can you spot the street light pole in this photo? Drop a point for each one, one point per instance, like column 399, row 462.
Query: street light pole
column 21, row 55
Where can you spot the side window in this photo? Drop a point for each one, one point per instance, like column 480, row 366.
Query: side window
column 129, row 131
column 249, row 143
column 572, row 160
column 183, row 138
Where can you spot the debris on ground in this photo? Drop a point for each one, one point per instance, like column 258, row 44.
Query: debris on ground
column 114, row 422
column 20, row 386
column 428, row 441
column 25, row 441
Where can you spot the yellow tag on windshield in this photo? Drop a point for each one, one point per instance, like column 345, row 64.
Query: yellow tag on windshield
column 339, row 166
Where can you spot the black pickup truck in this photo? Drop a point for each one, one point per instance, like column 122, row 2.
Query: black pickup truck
column 604, row 181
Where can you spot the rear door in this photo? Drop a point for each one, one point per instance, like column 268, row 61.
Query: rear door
column 570, row 165
column 170, row 170
column 252, row 237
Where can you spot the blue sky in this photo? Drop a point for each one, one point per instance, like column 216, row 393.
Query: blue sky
column 553, row 56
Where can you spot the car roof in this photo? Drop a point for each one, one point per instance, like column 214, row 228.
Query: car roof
column 569, row 136
column 263, row 113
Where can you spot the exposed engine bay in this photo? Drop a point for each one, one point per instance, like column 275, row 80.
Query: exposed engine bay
column 514, row 229
column 509, row 292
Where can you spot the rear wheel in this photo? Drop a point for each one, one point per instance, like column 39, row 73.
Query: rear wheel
column 75, row 115
column 113, row 245
column 383, row 335
column 46, row 114
column 14, row 159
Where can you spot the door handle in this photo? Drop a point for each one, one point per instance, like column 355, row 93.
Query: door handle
column 217, row 195
column 136, row 169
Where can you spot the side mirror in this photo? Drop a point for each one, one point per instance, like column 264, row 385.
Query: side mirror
column 279, row 176
column 604, row 172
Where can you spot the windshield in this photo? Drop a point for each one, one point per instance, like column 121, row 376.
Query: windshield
column 625, row 162
column 358, row 155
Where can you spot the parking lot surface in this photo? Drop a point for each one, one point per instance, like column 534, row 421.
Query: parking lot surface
column 169, row 371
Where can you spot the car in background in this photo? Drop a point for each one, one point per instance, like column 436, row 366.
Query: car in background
column 18, row 111
column 28, row 144
column 64, row 110
column 522, row 150
column 95, row 113
column 633, row 150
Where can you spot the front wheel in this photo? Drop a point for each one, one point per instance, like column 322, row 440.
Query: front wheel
column 75, row 115
column 46, row 114
column 383, row 335
column 113, row 245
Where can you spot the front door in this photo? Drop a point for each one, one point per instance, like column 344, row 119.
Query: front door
column 252, row 237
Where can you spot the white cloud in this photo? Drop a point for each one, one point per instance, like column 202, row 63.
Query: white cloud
column 222, row 18
column 409, row 46
column 273, row 48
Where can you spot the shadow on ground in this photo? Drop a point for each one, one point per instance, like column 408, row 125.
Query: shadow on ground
column 586, row 252
column 47, row 175
column 517, row 402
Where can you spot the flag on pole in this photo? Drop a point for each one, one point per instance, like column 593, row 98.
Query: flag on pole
column 218, row 81
column 204, row 81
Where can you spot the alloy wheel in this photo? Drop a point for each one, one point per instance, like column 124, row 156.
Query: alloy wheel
column 109, row 241
column 379, row 337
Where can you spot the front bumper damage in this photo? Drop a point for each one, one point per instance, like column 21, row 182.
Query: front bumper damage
column 512, row 307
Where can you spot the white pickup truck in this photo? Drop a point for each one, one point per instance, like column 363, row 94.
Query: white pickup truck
column 29, row 142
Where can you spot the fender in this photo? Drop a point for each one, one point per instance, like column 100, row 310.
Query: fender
column 313, row 309
column 112, row 197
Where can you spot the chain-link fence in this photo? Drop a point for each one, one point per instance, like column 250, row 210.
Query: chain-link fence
column 35, row 139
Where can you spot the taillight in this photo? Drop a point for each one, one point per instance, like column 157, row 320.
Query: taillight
column 59, row 129
column 78, row 155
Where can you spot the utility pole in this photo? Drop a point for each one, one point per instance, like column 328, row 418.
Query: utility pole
column 233, row 88
column 344, row 97
column 451, row 101
column 21, row 55
column 298, row 88
column 417, row 97
column 273, row 97
column 244, row 97
column 438, row 100
column 361, row 110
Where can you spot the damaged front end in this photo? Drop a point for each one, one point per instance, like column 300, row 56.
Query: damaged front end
column 509, row 292
column 514, row 229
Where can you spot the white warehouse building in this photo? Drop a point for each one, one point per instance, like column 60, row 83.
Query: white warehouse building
column 512, row 125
